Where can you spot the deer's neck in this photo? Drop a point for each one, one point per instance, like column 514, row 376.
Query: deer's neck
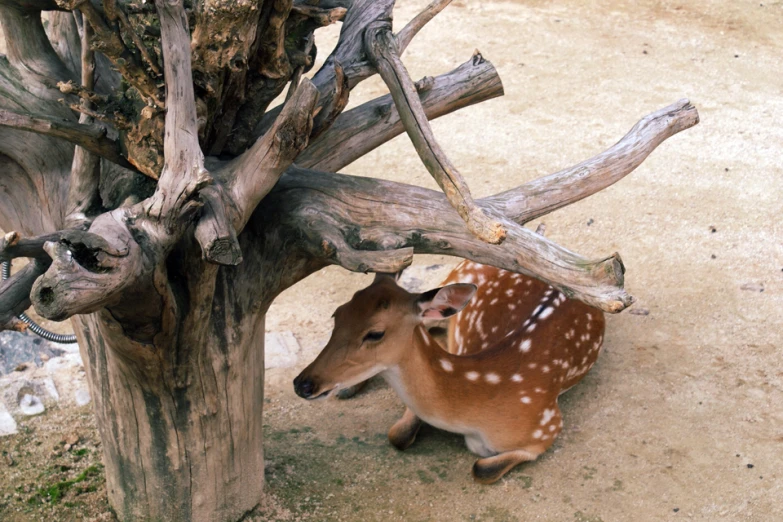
column 426, row 379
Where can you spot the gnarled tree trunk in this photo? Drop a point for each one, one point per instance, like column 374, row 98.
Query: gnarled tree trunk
column 165, row 206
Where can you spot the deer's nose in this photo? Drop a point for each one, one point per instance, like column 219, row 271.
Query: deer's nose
column 304, row 387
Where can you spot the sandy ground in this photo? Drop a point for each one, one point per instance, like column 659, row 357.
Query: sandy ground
column 682, row 416
column 684, row 400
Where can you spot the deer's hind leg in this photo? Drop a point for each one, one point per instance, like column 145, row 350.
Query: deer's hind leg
column 492, row 469
column 404, row 431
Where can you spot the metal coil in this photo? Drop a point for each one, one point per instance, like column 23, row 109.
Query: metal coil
column 5, row 271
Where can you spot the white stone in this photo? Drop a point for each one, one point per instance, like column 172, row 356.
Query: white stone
column 7, row 423
column 31, row 405
column 82, row 396
column 281, row 350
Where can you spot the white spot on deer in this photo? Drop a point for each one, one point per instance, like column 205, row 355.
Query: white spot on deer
column 496, row 284
column 547, row 416
column 565, row 364
column 446, row 365
column 484, row 345
column 472, row 376
column 537, row 434
column 545, row 369
column 525, row 345
column 479, row 303
column 494, row 301
column 509, row 292
column 545, row 437
column 531, row 328
column 525, row 400
column 532, row 366
column 492, row 378
column 547, row 312
column 512, row 306
column 516, row 377
column 552, row 427
column 538, row 309
column 529, row 282
column 494, row 329
column 589, row 317
column 539, row 390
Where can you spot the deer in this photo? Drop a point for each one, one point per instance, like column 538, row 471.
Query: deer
column 514, row 345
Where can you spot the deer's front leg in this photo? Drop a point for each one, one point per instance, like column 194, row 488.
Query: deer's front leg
column 404, row 431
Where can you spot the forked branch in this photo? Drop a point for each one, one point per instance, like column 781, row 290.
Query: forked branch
column 382, row 48
column 544, row 195
column 348, row 220
column 360, row 130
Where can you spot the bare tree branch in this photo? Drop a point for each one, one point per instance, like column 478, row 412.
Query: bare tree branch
column 13, row 246
column 360, row 130
column 183, row 173
column 358, row 216
column 349, row 53
column 382, row 49
column 29, row 48
column 15, row 294
column 84, row 197
column 90, row 136
column 544, row 195
column 413, row 27
column 251, row 176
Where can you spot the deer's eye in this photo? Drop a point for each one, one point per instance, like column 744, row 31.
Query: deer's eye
column 374, row 336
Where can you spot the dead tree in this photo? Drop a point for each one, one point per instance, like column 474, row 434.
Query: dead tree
column 164, row 205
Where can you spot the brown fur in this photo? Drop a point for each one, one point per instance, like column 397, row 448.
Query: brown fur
column 499, row 388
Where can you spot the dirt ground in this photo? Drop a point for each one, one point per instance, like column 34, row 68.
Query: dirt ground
column 682, row 417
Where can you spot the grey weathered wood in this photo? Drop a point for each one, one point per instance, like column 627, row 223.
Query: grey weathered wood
column 84, row 198
column 382, row 49
column 360, row 130
column 366, row 215
column 15, row 294
column 89, row 136
column 543, row 195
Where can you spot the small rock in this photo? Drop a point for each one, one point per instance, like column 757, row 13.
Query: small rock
column 590, row 221
column 44, row 357
column 72, row 439
column 67, row 447
column 713, row 229
column 639, row 311
column 7, row 423
column 281, row 350
column 82, row 396
column 20, row 368
column 31, row 405
column 713, row 256
column 750, row 466
column 753, row 287
column 9, row 460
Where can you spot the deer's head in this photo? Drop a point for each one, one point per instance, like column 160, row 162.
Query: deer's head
column 373, row 331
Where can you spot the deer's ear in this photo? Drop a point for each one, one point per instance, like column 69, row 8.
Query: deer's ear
column 445, row 301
